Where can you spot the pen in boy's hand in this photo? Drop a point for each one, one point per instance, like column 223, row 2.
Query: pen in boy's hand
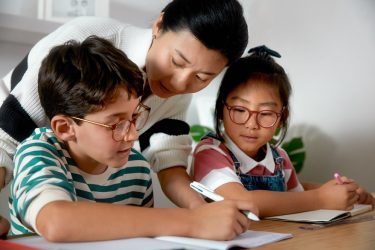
column 338, row 178
column 202, row 189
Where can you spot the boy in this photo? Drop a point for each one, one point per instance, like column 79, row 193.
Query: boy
column 66, row 176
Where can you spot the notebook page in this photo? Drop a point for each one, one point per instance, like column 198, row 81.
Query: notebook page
column 248, row 239
column 360, row 208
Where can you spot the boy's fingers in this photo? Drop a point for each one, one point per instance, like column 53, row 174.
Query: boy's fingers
column 248, row 206
column 242, row 224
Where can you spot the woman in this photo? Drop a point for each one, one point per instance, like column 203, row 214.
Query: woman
column 189, row 44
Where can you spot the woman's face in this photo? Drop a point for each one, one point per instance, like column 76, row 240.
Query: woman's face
column 178, row 63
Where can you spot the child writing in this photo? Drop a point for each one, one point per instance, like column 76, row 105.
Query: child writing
column 240, row 163
column 80, row 179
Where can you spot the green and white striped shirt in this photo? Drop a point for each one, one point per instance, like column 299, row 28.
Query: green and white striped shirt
column 45, row 172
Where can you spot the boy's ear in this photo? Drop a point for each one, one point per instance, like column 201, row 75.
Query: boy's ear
column 62, row 126
column 156, row 27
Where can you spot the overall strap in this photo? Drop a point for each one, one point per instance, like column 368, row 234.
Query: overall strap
column 276, row 155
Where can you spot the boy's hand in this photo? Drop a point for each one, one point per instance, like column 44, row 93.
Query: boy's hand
column 338, row 196
column 221, row 220
column 2, row 177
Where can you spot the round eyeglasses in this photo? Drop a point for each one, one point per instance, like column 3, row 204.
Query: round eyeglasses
column 121, row 129
column 264, row 118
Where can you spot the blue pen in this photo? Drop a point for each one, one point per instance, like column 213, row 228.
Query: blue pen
column 202, row 189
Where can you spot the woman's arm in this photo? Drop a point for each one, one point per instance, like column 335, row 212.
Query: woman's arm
column 166, row 143
column 175, row 183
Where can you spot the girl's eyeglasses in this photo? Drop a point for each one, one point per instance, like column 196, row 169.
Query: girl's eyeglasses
column 265, row 118
column 121, row 129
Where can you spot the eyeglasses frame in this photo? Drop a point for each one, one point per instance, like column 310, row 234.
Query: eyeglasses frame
column 251, row 112
column 114, row 126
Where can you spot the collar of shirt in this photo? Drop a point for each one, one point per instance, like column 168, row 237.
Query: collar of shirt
column 246, row 162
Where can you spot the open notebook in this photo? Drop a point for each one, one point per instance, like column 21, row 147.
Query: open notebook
column 323, row 215
column 248, row 239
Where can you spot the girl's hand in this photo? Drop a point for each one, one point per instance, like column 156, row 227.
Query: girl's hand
column 365, row 197
column 338, row 196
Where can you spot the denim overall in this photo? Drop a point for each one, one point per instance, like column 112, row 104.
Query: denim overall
column 263, row 182
column 269, row 182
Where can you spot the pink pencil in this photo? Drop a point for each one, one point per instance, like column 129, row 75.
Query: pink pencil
column 338, row 178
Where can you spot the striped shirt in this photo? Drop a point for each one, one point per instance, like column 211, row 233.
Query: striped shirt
column 45, row 172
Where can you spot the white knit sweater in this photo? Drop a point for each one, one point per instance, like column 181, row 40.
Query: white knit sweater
column 164, row 150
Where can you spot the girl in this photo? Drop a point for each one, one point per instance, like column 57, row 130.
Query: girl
column 240, row 163
column 189, row 44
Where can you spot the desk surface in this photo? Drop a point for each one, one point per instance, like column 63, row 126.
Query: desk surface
column 357, row 233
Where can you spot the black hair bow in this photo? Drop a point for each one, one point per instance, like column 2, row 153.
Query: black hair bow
column 264, row 51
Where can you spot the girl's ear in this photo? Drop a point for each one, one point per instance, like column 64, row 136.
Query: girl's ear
column 63, row 127
column 156, row 27
column 281, row 122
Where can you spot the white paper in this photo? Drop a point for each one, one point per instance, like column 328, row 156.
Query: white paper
column 131, row 244
column 323, row 215
column 247, row 239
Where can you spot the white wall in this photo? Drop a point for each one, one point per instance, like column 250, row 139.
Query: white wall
column 327, row 48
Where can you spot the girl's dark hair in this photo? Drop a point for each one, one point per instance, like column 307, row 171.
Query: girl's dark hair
column 79, row 78
column 218, row 24
column 258, row 66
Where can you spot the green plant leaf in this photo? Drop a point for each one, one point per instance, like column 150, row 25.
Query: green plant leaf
column 292, row 145
column 297, row 160
column 198, row 131
column 295, row 150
